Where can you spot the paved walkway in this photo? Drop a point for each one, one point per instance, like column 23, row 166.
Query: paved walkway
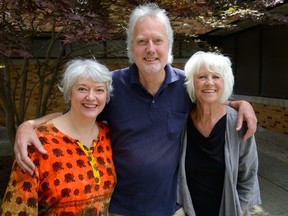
column 273, row 178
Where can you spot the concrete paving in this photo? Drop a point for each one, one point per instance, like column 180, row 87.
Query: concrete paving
column 273, row 179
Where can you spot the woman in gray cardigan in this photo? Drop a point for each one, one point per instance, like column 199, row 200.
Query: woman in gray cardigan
column 218, row 170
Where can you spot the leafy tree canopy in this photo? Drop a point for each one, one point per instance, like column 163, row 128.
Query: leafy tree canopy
column 91, row 20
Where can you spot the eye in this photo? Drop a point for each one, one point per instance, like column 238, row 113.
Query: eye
column 216, row 77
column 202, row 77
column 158, row 41
column 82, row 89
column 141, row 42
column 100, row 90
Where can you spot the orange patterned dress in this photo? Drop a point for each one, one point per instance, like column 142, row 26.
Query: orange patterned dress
column 70, row 180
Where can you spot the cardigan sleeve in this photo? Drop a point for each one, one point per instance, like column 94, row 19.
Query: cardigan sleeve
column 242, row 164
column 247, row 183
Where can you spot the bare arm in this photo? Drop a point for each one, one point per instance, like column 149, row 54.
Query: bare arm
column 245, row 113
column 26, row 136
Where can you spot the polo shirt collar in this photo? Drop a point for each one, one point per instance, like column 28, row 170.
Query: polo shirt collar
column 171, row 75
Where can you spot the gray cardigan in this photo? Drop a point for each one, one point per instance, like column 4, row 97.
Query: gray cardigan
column 241, row 187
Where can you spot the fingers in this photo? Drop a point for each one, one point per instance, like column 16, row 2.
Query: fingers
column 248, row 134
column 21, row 156
column 251, row 124
column 26, row 136
column 252, row 127
column 38, row 145
column 239, row 121
column 246, row 113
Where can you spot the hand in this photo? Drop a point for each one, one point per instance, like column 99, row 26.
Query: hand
column 246, row 113
column 26, row 136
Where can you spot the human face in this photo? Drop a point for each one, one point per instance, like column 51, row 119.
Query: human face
column 150, row 46
column 209, row 86
column 88, row 98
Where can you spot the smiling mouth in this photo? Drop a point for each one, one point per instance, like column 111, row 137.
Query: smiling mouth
column 151, row 59
column 209, row 91
column 89, row 106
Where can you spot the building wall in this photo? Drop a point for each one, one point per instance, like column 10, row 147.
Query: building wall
column 270, row 117
column 272, row 113
column 272, row 131
column 31, row 93
column 260, row 60
column 260, row 64
column 56, row 103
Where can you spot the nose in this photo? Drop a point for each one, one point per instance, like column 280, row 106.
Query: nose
column 209, row 80
column 90, row 95
column 150, row 47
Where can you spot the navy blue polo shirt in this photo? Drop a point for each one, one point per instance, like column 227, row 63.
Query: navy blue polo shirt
column 146, row 132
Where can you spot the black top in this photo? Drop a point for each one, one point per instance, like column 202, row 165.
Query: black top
column 205, row 167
